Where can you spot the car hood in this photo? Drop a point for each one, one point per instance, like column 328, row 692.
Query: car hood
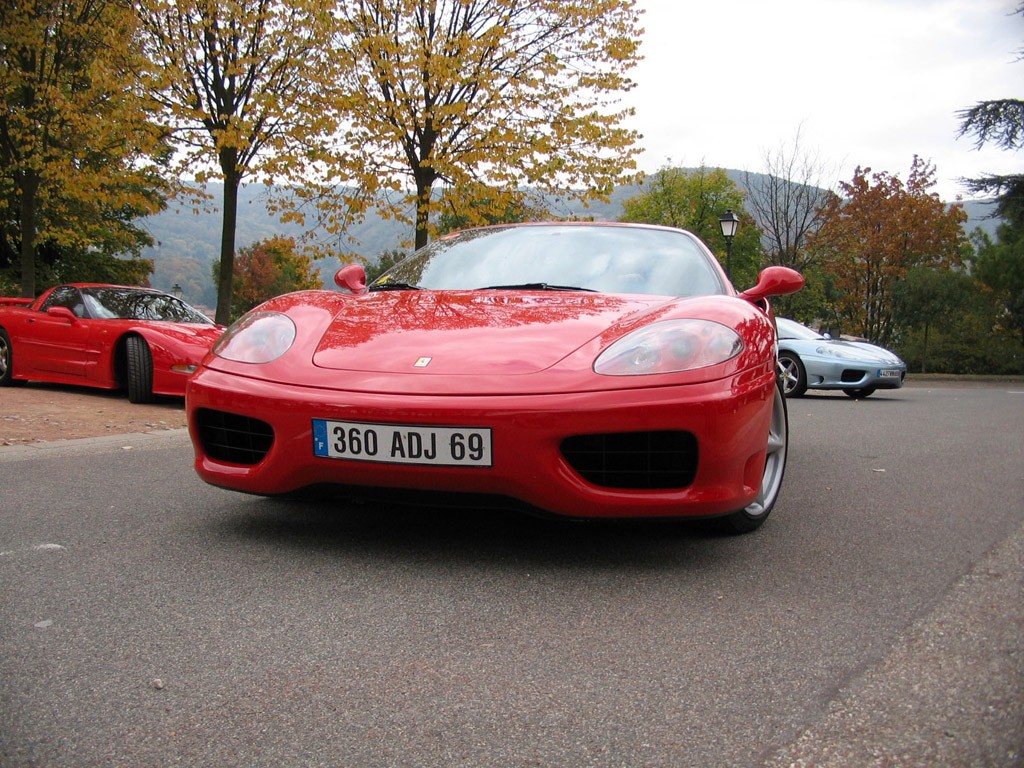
column 473, row 332
column 860, row 351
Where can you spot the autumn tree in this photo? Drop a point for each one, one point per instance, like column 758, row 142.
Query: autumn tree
column 75, row 138
column 267, row 269
column 240, row 84
column 479, row 207
column 482, row 94
column 694, row 200
column 875, row 233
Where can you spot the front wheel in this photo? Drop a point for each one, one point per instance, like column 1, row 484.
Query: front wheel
column 794, row 375
column 140, row 370
column 7, row 361
column 753, row 515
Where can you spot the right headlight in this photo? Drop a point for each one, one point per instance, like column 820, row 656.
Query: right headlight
column 259, row 337
column 670, row 346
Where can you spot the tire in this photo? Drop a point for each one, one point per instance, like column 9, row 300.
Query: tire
column 860, row 394
column 751, row 517
column 6, row 361
column 140, row 370
column 794, row 375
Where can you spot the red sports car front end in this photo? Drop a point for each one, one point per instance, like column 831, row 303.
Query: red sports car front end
column 687, row 450
column 578, row 401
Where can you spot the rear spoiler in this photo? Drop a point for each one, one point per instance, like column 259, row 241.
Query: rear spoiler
column 5, row 301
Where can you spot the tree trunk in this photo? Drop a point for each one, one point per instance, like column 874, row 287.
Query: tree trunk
column 29, row 202
column 423, row 192
column 228, row 157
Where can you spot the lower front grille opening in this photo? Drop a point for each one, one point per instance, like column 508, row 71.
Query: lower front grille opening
column 232, row 438
column 658, row 460
column 850, row 376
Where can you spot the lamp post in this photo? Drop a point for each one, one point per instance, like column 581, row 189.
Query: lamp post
column 177, row 292
column 730, row 223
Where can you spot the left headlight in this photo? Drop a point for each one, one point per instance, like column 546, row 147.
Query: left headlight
column 259, row 337
column 670, row 346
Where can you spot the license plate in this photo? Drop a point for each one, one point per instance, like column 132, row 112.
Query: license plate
column 889, row 373
column 402, row 443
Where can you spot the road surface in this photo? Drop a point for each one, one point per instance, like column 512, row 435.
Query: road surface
column 876, row 619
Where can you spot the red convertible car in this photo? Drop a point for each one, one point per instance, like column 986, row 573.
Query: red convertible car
column 586, row 370
column 107, row 336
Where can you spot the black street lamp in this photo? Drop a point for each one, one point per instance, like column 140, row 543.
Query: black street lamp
column 177, row 292
column 730, row 223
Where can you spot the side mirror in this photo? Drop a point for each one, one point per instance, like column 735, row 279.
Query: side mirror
column 63, row 313
column 351, row 278
column 774, row 281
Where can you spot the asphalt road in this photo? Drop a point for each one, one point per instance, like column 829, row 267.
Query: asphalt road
column 877, row 619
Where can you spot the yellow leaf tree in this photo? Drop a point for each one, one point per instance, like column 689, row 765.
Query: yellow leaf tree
column 240, row 84
column 75, row 138
column 447, row 98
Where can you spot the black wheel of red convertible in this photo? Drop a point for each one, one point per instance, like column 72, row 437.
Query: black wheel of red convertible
column 6, row 360
column 140, row 370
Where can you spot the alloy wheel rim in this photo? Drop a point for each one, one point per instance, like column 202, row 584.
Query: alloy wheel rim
column 775, row 460
column 790, row 377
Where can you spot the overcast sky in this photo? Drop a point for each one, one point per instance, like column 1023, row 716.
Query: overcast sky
column 865, row 82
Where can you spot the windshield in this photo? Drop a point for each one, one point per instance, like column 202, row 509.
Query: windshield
column 789, row 329
column 606, row 258
column 122, row 304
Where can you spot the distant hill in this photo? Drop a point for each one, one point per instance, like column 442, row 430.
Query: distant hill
column 188, row 242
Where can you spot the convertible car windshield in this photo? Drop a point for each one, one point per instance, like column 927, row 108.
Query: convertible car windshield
column 561, row 257
column 113, row 303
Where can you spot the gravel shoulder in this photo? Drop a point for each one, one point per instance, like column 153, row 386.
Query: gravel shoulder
column 45, row 412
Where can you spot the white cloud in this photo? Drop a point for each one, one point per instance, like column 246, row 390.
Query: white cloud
column 867, row 82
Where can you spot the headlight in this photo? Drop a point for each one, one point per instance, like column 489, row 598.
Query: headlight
column 259, row 337
column 838, row 354
column 668, row 347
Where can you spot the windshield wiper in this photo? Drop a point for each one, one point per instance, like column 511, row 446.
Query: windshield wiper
column 535, row 287
column 393, row 286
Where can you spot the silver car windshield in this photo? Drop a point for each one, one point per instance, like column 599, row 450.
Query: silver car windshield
column 788, row 329
column 610, row 259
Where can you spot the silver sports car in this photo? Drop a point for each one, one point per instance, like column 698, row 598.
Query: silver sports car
column 810, row 360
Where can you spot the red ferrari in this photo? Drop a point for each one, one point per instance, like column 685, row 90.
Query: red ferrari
column 106, row 336
column 586, row 370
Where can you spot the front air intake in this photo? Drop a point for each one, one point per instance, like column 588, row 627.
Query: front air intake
column 232, row 438
column 635, row 460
